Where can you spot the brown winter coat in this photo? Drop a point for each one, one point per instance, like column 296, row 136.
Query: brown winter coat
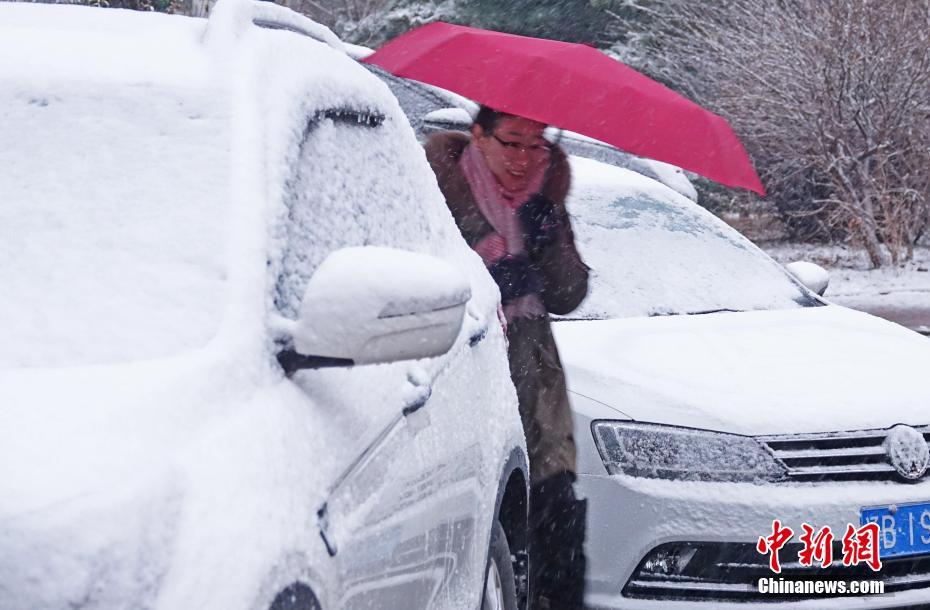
column 534, row 360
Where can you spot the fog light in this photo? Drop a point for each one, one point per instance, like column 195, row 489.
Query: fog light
column 668, row 561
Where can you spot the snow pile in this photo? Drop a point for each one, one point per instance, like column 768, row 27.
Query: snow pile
column 653, row 252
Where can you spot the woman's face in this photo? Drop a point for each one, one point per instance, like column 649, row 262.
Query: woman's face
column 514, row 151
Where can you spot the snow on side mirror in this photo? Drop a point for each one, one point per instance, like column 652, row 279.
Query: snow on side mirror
column 814, row 277
column 370, row 305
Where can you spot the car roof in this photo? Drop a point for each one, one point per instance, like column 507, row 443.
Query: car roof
column 50, row 43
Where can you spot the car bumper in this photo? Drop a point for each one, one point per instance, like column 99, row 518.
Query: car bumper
column 628, row 518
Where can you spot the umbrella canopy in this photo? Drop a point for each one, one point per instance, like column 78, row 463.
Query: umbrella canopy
column 574, row 87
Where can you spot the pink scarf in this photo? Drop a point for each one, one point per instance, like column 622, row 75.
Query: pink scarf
column 499, row 207
column 497, row 204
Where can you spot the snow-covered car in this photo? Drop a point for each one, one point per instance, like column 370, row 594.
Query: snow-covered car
column 713, row 393
column 248, row 361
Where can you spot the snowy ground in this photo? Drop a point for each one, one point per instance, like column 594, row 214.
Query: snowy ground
column 900, row 293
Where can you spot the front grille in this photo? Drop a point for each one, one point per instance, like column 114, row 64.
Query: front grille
column 835, row 456
column 731, row 571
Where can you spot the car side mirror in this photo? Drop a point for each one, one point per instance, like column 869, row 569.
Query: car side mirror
column 444, row 119
column 369, row 305
column 814, row 277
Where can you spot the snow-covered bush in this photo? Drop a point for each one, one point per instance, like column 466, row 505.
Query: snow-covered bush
column 831, row 99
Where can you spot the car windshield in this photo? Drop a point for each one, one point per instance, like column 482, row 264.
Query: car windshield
column 653, row 252
column 112, row 202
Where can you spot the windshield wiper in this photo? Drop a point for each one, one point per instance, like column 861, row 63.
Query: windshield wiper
column 721, row 310
column 662, row 314
column 655, row 314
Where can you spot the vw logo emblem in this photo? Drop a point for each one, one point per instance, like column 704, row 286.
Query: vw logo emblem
column 907, row 451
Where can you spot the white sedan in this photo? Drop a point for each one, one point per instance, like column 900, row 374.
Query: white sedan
column 714, row 393
column 247, row 360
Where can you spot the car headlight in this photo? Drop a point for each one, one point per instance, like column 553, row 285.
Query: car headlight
column 669, row 452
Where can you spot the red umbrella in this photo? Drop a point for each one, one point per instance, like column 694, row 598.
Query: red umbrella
column 574, row 87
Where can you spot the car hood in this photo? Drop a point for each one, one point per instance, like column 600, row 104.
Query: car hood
column 135, row 486
column 77, row 431
column 90, row 492
column 94, row 551
column 765, row 372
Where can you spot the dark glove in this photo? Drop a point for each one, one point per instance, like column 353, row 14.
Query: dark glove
column 515, row 277
column 540, row 221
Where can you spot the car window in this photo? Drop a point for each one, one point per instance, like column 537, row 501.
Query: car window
column 360, row 179
column 653, row 252
column 112, row 207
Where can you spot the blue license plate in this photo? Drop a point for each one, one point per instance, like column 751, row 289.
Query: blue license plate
column 905, row 528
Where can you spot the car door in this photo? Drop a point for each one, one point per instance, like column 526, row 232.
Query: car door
column 400, row 519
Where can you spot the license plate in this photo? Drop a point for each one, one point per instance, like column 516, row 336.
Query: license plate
column 905, row 528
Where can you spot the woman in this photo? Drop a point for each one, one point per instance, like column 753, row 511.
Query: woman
column 506, row 186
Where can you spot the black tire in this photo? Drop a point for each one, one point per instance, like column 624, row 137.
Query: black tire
column 297, row 596
column 499, row 559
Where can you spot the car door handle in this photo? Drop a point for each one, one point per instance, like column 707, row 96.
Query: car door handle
column 477, row 336
column 418, row 402
column 418, row 392
column 479, row 326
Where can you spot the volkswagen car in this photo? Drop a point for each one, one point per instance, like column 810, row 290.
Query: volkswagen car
column 714, row 393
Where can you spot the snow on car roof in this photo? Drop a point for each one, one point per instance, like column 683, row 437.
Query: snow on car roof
column 50, row 42
column 41, row 42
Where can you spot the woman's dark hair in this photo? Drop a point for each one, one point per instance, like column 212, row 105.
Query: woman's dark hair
column 487, row 118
